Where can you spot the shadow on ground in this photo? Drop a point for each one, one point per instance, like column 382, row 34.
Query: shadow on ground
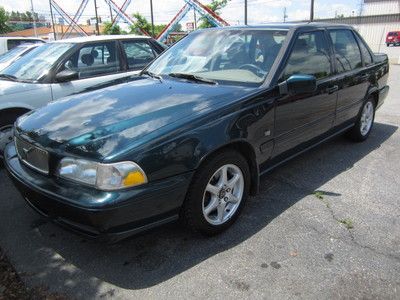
column 156, row 256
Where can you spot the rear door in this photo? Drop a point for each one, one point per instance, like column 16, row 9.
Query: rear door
column 301, row 117
column 139, row 53
column 352, row 76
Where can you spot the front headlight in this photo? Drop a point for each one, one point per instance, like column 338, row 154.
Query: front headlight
column 102, row 176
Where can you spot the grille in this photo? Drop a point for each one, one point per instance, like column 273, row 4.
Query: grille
column 32, row 156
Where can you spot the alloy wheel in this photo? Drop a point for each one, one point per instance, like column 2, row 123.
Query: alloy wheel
column 223, row 194
column 367, row 117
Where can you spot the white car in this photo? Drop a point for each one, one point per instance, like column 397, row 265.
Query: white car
column 61, row 68
column 9, row 42
column 14, row 54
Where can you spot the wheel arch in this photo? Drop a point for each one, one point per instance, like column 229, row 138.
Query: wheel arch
column 14, row 110
column 248, row 152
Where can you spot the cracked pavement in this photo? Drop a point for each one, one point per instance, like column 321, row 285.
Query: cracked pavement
column 288, row 243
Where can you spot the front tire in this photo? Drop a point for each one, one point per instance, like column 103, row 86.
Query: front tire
column 6, row 129
column 217, row 194
column 365, row 122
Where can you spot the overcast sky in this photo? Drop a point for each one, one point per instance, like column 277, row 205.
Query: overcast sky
column 259, row 11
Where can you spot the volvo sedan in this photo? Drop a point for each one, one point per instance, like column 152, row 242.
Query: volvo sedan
column 190, row 137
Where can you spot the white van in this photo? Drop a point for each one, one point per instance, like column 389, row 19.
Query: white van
column 8, row 42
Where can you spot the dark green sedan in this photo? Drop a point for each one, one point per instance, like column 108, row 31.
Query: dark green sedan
column 190, row 136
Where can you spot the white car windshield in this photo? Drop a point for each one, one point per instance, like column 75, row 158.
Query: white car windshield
column 37, row 63
column 233, row 55
column 12, row 54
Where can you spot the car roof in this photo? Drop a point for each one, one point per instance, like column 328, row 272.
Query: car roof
column 20, row 38
column 287, row 26
column 94, row 38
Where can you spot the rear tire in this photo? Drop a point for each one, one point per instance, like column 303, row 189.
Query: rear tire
column 365, row 122
column 214, row 200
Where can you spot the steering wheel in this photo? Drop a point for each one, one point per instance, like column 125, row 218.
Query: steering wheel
column 253, row 68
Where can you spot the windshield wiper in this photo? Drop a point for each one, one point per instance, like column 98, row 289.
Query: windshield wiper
column 8, row 77
column 151, row 74
column 192, row 77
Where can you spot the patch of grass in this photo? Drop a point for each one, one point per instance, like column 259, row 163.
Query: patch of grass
column 348, row 223
column 319, row 194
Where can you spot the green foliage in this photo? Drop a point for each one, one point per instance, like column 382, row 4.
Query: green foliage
column 215, row 6
column 141, row 23
column 348, row 223
column 111, row 29
column 3, row 20
column 26, row 16
column 319, row 194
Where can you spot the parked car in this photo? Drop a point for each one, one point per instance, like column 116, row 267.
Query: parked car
column 393, row 38
column 190, row 137
column 66, row 67
column 14, row 54
column 7, row 43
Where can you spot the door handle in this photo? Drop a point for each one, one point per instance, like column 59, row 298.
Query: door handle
column 364, row 77
column 332, row 89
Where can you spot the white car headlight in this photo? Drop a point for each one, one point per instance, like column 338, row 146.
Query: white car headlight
column 102, row 176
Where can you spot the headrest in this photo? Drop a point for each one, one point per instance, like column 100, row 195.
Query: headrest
column 87, row 59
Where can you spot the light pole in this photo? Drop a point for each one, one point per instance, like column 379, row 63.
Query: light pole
column 33, row 18
column 152, row 17
column 245, row 12
column 312, row 11
column 97, row 18
column 52, row 21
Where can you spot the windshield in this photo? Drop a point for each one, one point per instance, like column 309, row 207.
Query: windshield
column 37, row 63
column 238, row 55
column 12, row 54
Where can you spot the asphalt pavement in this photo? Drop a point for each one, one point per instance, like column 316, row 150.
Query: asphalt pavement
column 325, row 225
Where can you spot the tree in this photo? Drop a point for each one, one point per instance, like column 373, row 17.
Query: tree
column 141, row 24
column 215, row 6
column 3, row 21
column 109, row 28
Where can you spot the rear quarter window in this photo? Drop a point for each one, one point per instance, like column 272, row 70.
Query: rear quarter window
column 347, row 52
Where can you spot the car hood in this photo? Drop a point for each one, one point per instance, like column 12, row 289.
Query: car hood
column 8, row 87
column 101, row 123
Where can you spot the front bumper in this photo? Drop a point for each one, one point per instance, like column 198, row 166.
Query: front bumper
column 102, row 215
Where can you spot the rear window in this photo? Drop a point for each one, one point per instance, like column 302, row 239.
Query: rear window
column 12, row 43
column 393, row 34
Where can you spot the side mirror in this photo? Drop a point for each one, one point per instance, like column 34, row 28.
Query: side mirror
column 298, row 84
column 67, row 75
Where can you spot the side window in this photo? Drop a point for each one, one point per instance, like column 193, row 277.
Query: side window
column 365, row 52
column 347, row 53
column 310, row 55
column 94, row 60
column 138, row 53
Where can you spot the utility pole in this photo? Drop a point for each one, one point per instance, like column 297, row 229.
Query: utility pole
column 284, row 14
column 312, row 11
column 97, row 18
column 52, row 21
column 245, row 12
column 152, row 18
column 111, row 14
column 34, row 19
column 195, row 19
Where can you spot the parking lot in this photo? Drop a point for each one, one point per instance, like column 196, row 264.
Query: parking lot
column 325, row 225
